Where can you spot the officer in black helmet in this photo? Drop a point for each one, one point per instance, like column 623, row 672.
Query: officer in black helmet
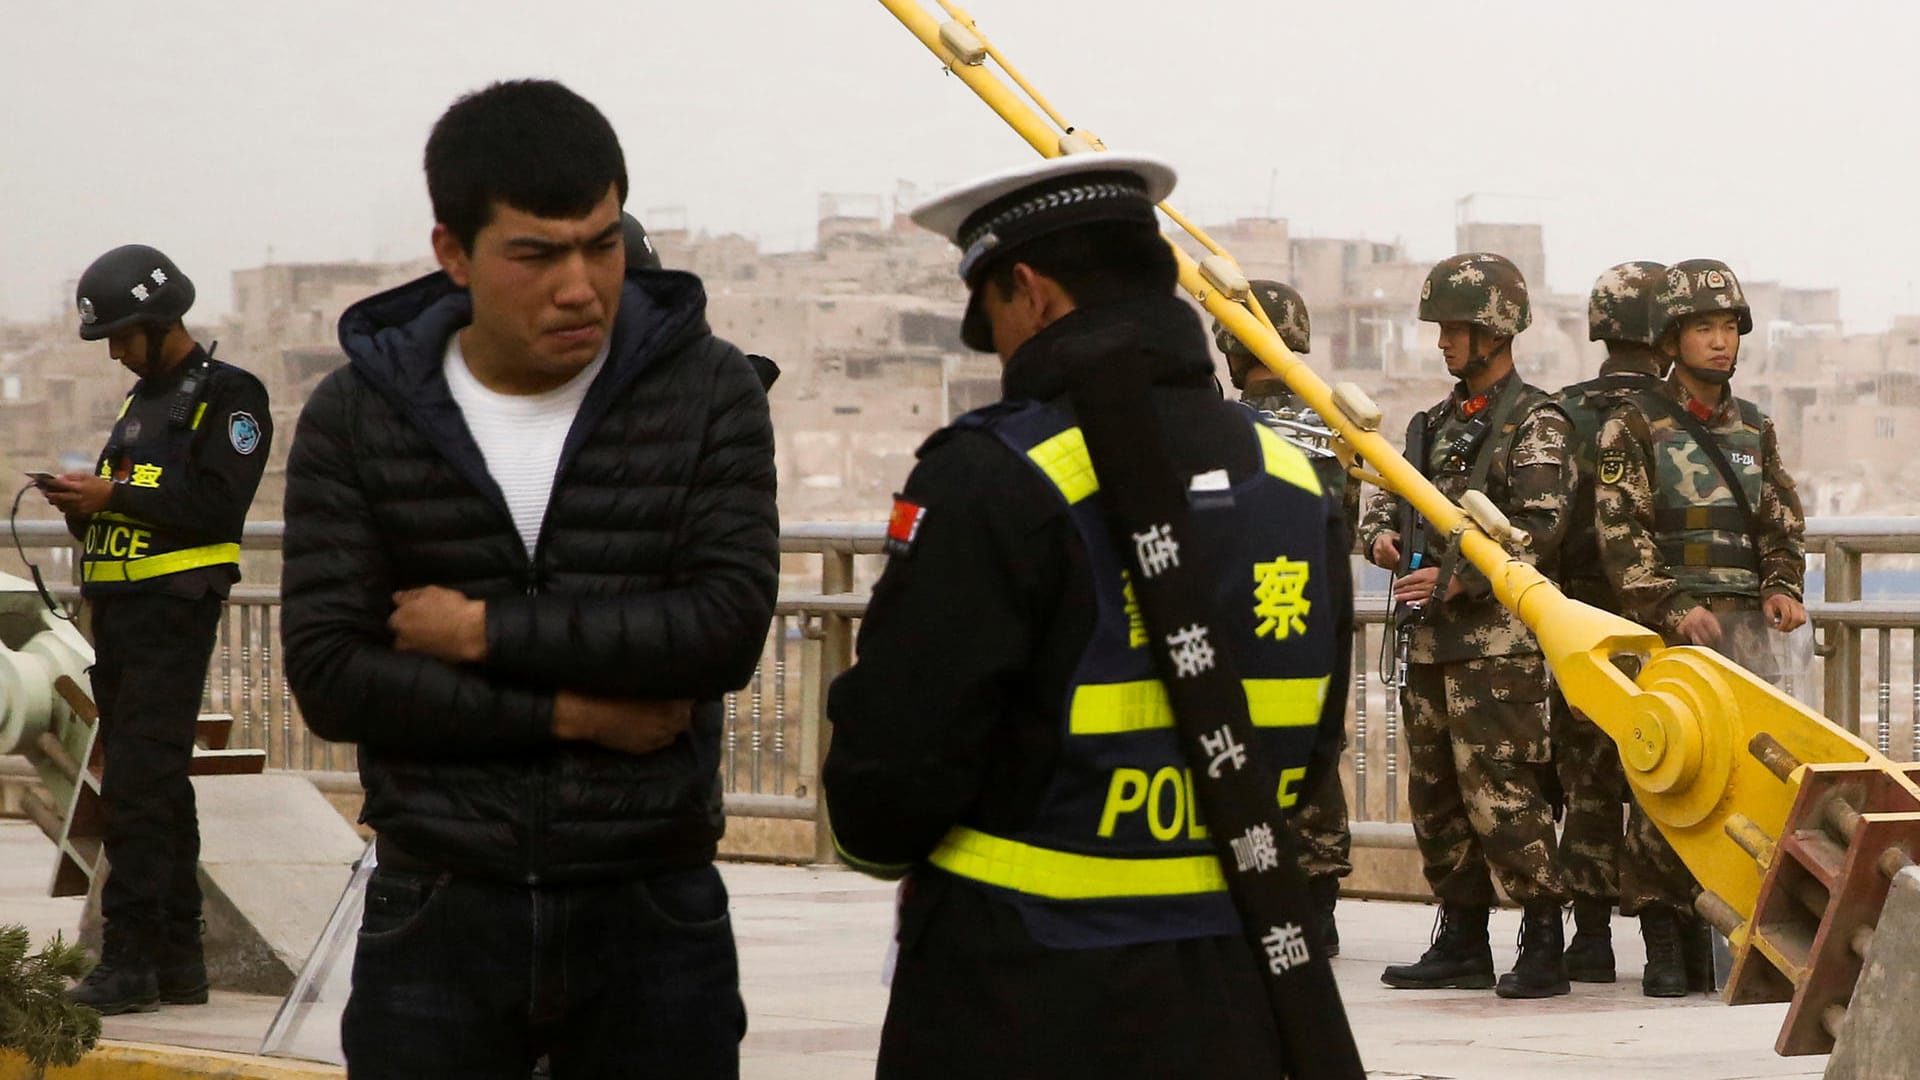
column 160, row 520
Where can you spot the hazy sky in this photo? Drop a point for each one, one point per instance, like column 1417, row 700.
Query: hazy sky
column 1778, row 136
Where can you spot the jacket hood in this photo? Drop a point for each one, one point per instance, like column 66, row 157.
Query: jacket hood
column 397, row 339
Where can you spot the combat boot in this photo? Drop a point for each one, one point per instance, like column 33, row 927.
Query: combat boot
column 1539, row 971
column 1696, row 951
column 1460, row 957
column 1325, row 892
column 1666, row 971
column 182, row 968
column 1589, row 956
column 123, row 981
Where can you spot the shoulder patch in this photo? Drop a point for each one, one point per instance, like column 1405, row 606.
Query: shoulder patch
column 243, row 431
column 1613, row 465
column 903, row 525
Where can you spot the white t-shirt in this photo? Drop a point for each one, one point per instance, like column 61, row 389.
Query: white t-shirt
column 520, row 435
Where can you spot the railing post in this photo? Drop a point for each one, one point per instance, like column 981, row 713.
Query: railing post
column 1842, row 690
column 834, row 655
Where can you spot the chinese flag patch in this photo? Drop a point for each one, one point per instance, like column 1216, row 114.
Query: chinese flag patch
column 904, row 525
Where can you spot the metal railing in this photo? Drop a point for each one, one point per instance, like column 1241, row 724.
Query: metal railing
column 773, row 740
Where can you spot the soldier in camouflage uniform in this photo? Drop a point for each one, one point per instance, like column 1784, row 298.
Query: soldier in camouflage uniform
column 1474, row 693
column 1620, row 315
column 1321, row 835
column 1692, row 556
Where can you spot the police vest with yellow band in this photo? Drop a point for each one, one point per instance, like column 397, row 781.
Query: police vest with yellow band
column 150, row 447
column 1117, row 852
column 1703, row 535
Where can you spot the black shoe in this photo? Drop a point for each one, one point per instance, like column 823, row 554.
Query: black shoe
column 1325, row 891
column 1539, row 972
column 112, row 988
column 1666, row 971
column 182, row 985
column 1696, row 951
column 1460, row 957
column 182, row 968
column 1589, row 956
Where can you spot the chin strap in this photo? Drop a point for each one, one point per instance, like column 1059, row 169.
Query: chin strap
column 1713, row 376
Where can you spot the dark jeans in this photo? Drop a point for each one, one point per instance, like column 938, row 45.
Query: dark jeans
column 461, row 977
column 151, row 653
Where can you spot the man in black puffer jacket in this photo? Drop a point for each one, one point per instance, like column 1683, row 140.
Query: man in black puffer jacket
column 531, row 540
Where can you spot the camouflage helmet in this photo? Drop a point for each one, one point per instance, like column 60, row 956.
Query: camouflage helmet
column 1287, row 310
column 1478, row 287
column 1620, row 307
column 1695, row 287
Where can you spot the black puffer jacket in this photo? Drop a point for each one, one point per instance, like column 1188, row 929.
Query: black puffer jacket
column 654, row 577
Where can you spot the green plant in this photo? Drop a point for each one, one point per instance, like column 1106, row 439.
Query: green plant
column 36, row 1019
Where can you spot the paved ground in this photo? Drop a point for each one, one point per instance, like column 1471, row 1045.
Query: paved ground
column 812, row 941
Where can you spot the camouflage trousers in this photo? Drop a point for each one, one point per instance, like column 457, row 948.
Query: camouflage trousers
column 1320, row 832
column 1588, row 765
column 1476, row 736
column 1651, row 873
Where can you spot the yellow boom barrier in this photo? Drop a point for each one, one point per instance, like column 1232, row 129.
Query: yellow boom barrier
column 1713, row 753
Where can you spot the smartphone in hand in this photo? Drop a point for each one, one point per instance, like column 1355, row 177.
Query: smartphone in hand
column 44, row 480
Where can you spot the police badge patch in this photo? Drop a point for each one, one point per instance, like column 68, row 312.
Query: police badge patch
column 243, row 431
column 1613, row 465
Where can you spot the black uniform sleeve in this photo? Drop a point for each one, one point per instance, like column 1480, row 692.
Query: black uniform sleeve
column 209, row 502
column 947, row 638
column 336, row 592
column 702, row 636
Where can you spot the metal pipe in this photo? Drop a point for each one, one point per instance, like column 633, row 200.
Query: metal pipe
column 1774, row 756
column 1892, row 861
column 1883, row 729
column 1832, row 1018
column 57, row 756
column 1752, row 839
column 1719, row 913
column 42, row 815
column 1861, row 941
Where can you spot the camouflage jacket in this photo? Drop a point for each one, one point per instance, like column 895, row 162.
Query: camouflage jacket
column 1342, row 489
column 1663, row 559
column 1530, row 481
column 1586, row 404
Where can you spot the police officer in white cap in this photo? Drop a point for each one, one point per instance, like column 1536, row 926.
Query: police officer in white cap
column 1005, row 742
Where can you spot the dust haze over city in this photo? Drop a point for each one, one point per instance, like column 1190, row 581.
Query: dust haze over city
column 1343, row 146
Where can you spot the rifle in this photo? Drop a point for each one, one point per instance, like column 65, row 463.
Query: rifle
column 1413, row 552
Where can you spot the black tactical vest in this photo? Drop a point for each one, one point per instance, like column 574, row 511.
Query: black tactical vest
column 150, row 447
